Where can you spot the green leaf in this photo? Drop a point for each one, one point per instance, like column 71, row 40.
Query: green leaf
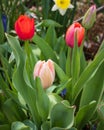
column 26, row 91
column 75, row 63
column 19, row 126
column 7, row 67
column 87, row 74
column 30, row 124
column 62, row 116
column 73, row 128
column 4, row 86
column 63, row 85
column 45, row 6
column 51, row 37
column 50, row 22
column 5, row 127
column 62, row 59
column 61, row 74
column 101, row 47
column 100, row 125
column 60, row 45
column 42, row 100
column 45, row 126
column 93, row 89
column 100, row 111
column 13, row 113
column 54, row 99
column 45, row 48
column 84, row 114
column 58, row 128
column 68, row 63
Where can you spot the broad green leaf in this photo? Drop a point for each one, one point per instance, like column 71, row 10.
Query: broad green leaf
column 87, row 74
column 19, row 126
column 50, row 22
column 45, row 48
column 30, row 124
column 60, row 45
column 51, row 37
column 84, row 114
column 62, row 116
column 93, row 89
column 45, row 126
column 13, row 113
column 61, row 74
column 54, row 99
column 42, row 100
column 26, row 91
column 29, row 65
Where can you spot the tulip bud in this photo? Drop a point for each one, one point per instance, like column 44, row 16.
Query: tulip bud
column 24, row 27
column 89, row 17
column 70, row 34
column 46, row 72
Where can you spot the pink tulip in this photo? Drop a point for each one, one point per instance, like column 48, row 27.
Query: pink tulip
column 46, row 72
column 70, row 34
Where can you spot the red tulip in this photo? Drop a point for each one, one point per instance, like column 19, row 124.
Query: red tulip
column 24, row 27
column 75, row 27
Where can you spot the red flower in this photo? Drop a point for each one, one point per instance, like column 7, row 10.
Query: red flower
column 24, row 27
column 70, row 34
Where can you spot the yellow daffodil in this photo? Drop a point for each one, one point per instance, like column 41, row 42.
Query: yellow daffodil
column 62, row 6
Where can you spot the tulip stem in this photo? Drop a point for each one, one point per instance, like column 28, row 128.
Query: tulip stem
column 97, row 10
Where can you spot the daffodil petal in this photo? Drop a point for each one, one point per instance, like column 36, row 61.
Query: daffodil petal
column 71, row 6
column 62, row 12
column 54, row 8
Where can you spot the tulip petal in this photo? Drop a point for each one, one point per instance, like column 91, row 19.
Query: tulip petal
column 46, row 76
column 37, row 68
column 24, row 27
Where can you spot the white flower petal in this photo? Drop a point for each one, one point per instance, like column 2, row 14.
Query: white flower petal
column 54, row 8
column 71, row 6
column 62, row 12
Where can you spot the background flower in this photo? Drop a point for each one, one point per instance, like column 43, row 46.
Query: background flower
column 62, row 6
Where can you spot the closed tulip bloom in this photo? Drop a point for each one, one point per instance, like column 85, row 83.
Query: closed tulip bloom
column 24, row 27
column 46, row 72
column 70, row 34
column 89, row 17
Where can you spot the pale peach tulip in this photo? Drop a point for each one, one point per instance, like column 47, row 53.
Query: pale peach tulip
column 46, row 72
